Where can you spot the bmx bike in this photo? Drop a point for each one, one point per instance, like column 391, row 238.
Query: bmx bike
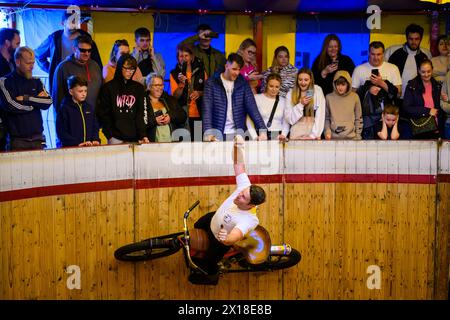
column 254, row 253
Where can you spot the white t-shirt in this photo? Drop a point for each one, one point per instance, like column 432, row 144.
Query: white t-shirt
column 387, row 70
column 230, row 128
column 230, row 216
column 265, row 106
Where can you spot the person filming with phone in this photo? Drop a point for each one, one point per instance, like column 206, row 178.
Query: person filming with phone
column 329, row 61
column 377, row 83
column 213, row 59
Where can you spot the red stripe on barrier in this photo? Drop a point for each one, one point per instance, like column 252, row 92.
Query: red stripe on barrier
column 65, row 189
column 217, row 180
column 361, row 178
column 444, row 178
column 202, row 181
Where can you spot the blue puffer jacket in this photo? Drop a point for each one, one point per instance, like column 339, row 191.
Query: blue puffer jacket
column 215, row 105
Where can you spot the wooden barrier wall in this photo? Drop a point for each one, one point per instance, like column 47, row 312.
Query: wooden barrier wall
column 348, row 207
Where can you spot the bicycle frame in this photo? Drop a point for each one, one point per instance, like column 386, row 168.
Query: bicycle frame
column 187, row 237
column 262, row 257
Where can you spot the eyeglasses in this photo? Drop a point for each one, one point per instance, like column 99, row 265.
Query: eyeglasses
column 251, row 52
column 85, row 50
column 129, row 69
column 158, row 85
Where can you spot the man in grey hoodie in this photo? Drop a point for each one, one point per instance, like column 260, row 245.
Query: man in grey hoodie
column 81, row 65
column 343, row 116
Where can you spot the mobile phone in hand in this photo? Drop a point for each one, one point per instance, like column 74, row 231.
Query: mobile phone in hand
column 158, row 113
column 375, row 72
column 309, row 93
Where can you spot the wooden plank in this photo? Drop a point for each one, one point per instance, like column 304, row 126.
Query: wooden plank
column 102, row 207
column 442, row 266
column 114, row 202
column 91, row 274
column 6, row 254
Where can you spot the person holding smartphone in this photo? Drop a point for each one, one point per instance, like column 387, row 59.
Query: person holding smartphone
column 213, row 59
column 329, row 61
column 165, row 115
column 144, row 53
column 305, row 108
column 187, row 81
column 377, row 83
column 247, row 50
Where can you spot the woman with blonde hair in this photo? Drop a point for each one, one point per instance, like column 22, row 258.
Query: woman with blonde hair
column 305, row 108
column 271, row 107
column 247, row 50
column 281, row 65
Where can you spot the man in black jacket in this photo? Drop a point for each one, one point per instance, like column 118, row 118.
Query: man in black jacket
column 21, row 99
column 409, row 56
column 58, row 46
column 9, row 41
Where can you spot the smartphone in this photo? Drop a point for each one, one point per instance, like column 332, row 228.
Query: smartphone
column 309, row 93
column 335, row 62
column 212, row 34
column 375, row 72
column 158, row 113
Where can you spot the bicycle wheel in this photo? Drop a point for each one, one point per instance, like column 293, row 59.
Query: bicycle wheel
column 149, row 249
column 274, row 262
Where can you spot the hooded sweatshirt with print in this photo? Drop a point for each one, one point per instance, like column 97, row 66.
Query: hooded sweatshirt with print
column 122, row 110
column 343, row 116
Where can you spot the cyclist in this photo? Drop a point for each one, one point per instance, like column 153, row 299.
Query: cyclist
column 231, row 221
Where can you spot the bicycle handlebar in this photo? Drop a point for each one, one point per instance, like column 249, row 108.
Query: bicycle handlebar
column 186, row 214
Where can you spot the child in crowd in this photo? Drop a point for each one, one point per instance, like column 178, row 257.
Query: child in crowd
column 343, row 115
column 76, row 124
column 388, row 128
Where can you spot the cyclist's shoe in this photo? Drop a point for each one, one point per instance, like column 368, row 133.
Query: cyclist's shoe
column 205, row 279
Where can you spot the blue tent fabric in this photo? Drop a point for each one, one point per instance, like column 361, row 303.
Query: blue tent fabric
column 332, row 6
column 311, row 32
column 171, row 29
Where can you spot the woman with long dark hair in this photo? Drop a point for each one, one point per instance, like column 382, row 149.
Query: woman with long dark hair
column 329, row 61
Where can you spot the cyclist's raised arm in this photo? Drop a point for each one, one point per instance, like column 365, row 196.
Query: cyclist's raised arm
column 239, row 155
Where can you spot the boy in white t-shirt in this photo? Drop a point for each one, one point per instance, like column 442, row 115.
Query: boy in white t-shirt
column 231, row 221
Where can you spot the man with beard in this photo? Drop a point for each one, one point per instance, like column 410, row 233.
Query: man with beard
column 409, row 56
column 58, row 46
column 22, row 98
column 9, row 41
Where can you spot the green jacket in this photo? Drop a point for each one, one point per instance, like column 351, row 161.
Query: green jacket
column 213, row 63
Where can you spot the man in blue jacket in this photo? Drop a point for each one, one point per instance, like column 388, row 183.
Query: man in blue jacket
column 22, row 98
column 227, row 100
